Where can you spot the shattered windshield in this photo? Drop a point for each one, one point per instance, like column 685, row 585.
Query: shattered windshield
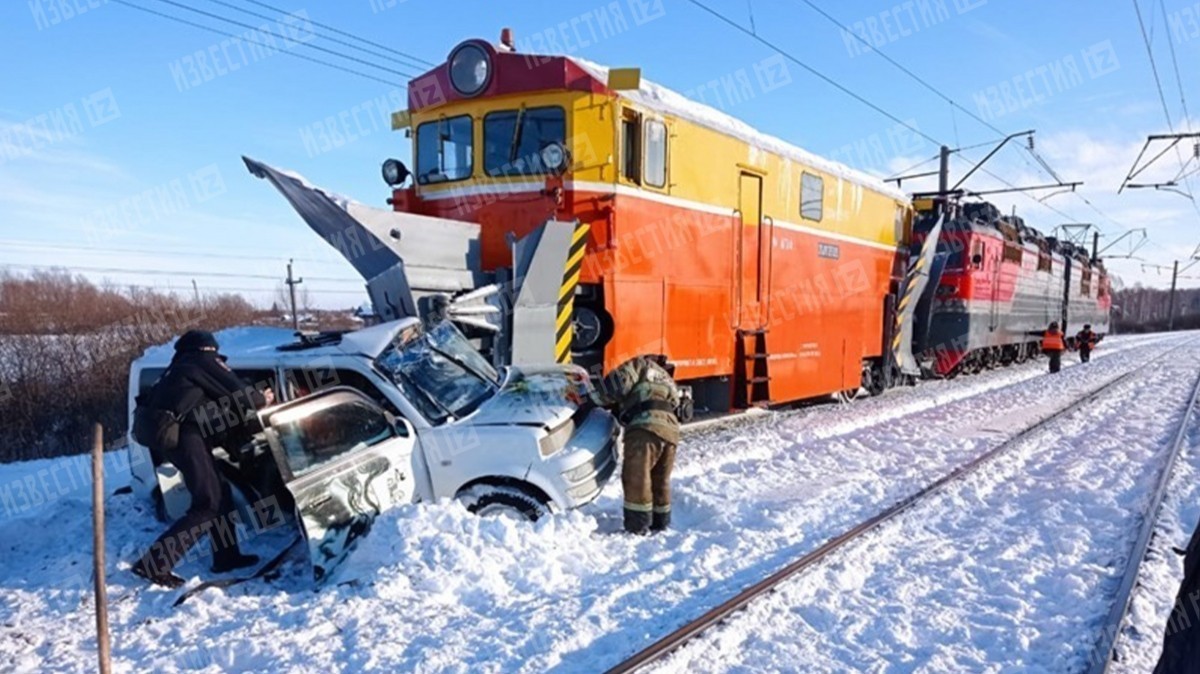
column 439, row 371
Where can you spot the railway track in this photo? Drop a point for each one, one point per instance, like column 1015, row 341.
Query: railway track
column 757, row 415
column 1105, row 653
column 662, row 648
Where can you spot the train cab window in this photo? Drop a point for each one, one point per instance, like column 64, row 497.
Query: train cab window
column 444, row 150
column 513, row 140
column 1043, row 262
column 655, row 173
column 812, row 196
column 631, row 146
column 1085, row 281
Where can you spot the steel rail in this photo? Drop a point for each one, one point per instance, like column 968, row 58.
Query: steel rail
column 1104, row 652
column 668, row 644
column 745, row 418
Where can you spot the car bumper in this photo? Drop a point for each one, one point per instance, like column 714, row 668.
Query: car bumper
column 584, row 472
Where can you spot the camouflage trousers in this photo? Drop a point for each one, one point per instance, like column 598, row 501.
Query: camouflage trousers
column 646, row 478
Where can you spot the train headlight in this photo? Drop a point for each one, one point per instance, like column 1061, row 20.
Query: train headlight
column 470, row 69
column 555, row 158
column 394, row 172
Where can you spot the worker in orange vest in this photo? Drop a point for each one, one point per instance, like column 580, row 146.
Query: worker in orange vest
column 1053, row 346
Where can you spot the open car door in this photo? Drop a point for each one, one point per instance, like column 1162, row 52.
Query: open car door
column 344, row 460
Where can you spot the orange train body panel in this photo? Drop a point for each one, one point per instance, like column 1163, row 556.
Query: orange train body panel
column 724, row 240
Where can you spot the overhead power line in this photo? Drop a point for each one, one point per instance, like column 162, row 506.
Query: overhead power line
column 840, row 87
column 407, row 63
column 816, row 73
column 350, row 35
column 216, row 31
column 927, row 85
column 917, row 78
column 247, row 26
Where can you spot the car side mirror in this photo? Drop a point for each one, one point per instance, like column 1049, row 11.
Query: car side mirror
column 403, row 427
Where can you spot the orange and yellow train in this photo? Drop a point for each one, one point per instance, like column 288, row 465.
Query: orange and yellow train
column 765, row 273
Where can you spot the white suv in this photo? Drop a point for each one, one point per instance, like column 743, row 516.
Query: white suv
column 391, row 414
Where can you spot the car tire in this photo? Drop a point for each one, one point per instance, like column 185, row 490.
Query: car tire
column 489, row 500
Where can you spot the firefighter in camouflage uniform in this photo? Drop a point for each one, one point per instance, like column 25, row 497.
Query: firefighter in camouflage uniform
column 643, row 395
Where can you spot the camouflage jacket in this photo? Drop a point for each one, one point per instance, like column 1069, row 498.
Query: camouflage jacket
column 644, row 396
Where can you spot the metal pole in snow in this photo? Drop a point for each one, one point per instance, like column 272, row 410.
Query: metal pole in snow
column 1171, row 302
column 98, row 548
column 291, row 284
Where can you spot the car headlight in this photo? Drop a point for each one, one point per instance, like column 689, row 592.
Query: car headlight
column 557, row 439
column 554, row 158
column 470, row 69
column 394, row 172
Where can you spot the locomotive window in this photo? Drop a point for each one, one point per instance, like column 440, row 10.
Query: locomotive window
column 1013, row 253
column 812, row 196
column 631, row 146
column 1043, row 262
column 656, row 153
column 513, row 139
column 444, row 150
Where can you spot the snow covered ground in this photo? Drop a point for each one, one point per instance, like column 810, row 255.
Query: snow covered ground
column 437, row 589
column 1011, row 570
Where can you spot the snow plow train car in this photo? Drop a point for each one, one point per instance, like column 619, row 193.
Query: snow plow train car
column 560, row 211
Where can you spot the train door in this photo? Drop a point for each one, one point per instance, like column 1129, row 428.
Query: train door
column 751, row 258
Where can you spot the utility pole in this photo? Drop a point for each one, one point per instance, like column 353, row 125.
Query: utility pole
column 292, row 283
column 1171, row 302
column 1095, row 247
column 944, row 171
column 196, row 291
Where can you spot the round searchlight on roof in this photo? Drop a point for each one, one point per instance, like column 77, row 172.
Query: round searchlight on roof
column 470, row 69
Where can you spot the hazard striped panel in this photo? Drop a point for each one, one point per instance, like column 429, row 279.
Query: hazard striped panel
column 910, row 287
column 566, row 293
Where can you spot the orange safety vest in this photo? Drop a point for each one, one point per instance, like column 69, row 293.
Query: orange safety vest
column 1053, row 341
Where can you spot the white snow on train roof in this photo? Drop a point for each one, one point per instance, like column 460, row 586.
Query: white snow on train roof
column 660, row 98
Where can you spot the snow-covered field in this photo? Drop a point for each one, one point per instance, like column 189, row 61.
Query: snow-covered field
column 1004, row 572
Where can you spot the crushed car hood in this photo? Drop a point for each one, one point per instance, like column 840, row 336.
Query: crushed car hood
column 535, row 396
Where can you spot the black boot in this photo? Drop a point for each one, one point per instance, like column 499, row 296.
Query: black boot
column 150, row 572
column 232, row 561
column 637, row 521
column 661, row 521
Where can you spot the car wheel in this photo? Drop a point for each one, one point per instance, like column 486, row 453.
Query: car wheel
column 488, row 500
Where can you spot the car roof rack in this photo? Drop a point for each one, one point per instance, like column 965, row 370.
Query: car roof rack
column 307, row 339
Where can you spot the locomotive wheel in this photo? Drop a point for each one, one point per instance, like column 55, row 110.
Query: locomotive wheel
column 872, row 379
column 848, row 396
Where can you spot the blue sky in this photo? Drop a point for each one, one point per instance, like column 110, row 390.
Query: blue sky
column 114, row 139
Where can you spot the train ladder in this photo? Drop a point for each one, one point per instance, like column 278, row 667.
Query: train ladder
column 753, row 387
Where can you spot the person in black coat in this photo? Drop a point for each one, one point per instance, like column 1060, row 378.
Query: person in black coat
column 207, row 397
column 1181, row 638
